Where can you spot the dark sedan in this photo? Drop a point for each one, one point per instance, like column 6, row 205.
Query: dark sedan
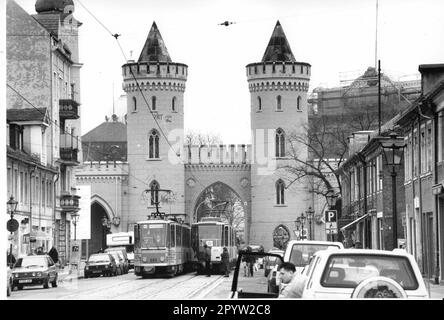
column 33, row 271
column 100, row 263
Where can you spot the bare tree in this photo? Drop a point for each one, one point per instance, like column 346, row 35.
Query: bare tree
column 199, row 138
column 327, row 148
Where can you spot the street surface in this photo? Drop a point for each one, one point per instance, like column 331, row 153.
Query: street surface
column 130, row 287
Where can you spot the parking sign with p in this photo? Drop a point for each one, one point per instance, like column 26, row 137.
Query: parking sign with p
column 330, row 216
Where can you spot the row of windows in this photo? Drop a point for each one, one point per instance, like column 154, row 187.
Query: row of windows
column 153, row 144
column 279, row 103
column 418, row 153
column 154, row 104
column 41, row 190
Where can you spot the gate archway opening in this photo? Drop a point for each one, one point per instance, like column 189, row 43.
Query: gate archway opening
column 220, row 200
column 98, row 230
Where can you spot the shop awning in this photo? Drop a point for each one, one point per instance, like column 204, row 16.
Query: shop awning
column 351, row 224
column 38, row 235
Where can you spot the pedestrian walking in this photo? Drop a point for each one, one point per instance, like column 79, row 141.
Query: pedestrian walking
column 54, row 254
column 207, row 256
column 226, row 261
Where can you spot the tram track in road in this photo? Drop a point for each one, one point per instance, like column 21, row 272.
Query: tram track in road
column 201, row 292
column 177, row 295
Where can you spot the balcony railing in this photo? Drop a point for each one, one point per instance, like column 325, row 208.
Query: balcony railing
column 69, row 109
column 69, row 202
column 69, row 147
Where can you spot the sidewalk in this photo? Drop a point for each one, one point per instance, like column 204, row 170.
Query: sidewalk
column 69, row 273
column 436, row 291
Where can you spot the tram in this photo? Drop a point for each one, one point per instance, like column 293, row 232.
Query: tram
column 216, row 235
column 162, row 246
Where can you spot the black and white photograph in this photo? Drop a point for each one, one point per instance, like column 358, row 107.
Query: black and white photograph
column 227, row 156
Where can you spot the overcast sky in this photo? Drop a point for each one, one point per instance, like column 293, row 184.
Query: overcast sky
column 334, row 36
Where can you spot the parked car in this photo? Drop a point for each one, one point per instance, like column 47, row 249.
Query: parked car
column 123, row 254
column 34, row 270
column 363, row 273
column 100, row 264
column 9, row 281
column 119, row 261
column 270, row 261
column 299, row 252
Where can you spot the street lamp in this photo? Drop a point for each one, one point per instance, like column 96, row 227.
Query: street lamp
column 12, row 223
column 393, row 151
column 75, row 219
column 310, row 215
column 331, row 198
column 106, row 224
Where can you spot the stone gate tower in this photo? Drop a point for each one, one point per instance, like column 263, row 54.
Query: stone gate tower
column 278, row 88
column 155, row 88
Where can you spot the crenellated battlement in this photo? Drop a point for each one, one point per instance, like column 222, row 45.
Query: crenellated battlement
column 278, row 76
column 155, row 70
column 217, row 154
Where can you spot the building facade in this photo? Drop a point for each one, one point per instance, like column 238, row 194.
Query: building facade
column 43, row 120
column 421, row 126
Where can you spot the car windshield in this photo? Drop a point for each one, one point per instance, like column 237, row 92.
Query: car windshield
column 301, row 254
column 349, row 270
column 31, row 261
column 99, row 258
column 153, row 235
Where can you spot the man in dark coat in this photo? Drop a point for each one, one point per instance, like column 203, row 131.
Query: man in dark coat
column 226, row 261
column 54, row 254
column 207, row 256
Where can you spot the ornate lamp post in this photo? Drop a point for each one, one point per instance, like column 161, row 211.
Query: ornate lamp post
column 393, row 154
column 75, row 220
column 12, row 224
column 331, row 201
column 310, row 216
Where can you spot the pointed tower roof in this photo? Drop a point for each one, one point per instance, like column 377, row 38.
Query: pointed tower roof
column 154, row 48
column 278, row 48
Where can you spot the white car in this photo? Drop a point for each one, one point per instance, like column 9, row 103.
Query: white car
column 363, row 273
column 299, row 252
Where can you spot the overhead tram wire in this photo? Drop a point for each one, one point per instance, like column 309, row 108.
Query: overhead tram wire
column 63, row 130
column 115, row 36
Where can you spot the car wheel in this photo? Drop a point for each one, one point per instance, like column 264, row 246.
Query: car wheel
column 379, row 287
column 46, row 283
column 54, row 283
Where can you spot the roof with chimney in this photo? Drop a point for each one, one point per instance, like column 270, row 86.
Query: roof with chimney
column 154, row 48
column 278, row 49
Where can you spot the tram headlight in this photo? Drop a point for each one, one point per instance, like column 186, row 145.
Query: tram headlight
column 162, row 259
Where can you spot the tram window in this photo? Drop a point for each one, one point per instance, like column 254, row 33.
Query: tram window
column 168, row 236
column 136, row 236
column 226, row 234
column 173, row 235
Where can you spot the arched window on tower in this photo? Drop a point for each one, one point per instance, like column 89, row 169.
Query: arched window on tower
column 153, row 103
column 173, row 105
column 154, row 187
column 154, row 144
column 299, row 103
column 278, row 103
column 259, row 104
column 134, row 104
column 280, row 192
column 280, row 143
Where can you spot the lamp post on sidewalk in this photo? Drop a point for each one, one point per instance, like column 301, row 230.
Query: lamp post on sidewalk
column 12, row 224
column 393, row 154
column 310, row 216
column 331, row 201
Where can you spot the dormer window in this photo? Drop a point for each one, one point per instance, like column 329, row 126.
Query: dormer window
column 15, row 137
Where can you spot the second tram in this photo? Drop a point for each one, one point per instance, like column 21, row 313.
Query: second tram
column 162, row 246
column 216, row 235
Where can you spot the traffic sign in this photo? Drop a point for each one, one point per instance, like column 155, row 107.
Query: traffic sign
column 331, row 231
column 331, row 225
column 12, row 225
column 331, row 215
